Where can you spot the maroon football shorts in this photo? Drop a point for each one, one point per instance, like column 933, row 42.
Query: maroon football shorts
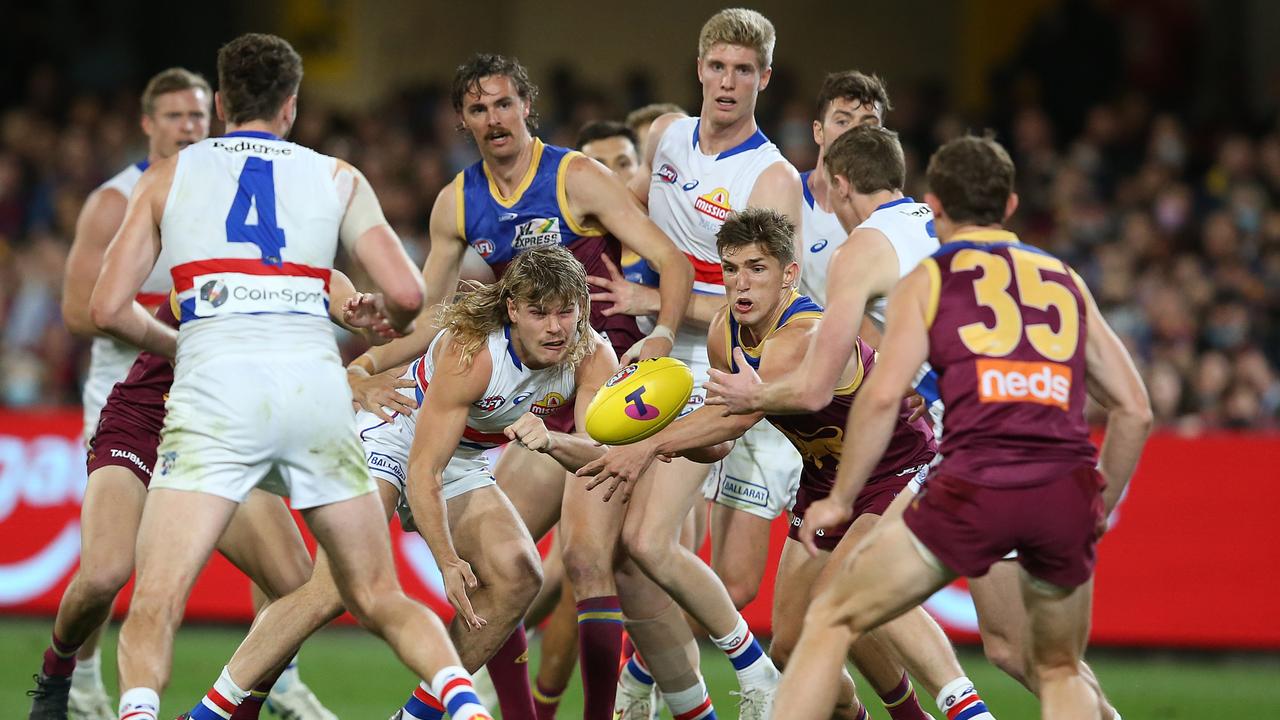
column 127, row 444
column 1053, row 526
column 875, row 499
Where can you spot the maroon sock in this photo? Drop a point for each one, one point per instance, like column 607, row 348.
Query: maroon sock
column 59, row 658
column 546, row 700
column 509, row 669
column 901, row 702
column 249, row 708
column 599, row 649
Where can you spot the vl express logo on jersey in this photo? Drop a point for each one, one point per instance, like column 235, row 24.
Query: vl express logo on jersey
column 638, row 409
column 1043, row 383
column 551, row 402
column 536, row 233
column 667, row 174
column 714, row 204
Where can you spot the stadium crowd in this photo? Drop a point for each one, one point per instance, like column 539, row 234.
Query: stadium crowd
column 1176, row 230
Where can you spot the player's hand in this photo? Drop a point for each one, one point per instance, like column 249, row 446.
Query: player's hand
column 651, row 346
column 918, row 406
column 735, row 391
column 620, row 467
column 380, row 394
column 530, row 432
column 822, row 515
column 623, row 296
column 368, row 311
column 458, row 582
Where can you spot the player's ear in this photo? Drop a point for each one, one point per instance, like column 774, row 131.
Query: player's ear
column 935, row 204
column 511, row 310
column 1010, row 205
column 147, row 124
column 790, row 273
column 764, row 78
column 217, row 107
column 817, row 132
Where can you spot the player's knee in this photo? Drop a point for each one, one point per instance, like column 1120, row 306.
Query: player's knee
column 780, row 648
column 102, row 581
column 742, row 592
column 585, row 566
column 518, row 575
column 1004, row 655
column 649, row 550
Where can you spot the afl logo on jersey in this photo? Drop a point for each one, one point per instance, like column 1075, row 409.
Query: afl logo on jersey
column 491, row 403
column 818, row 246
column 214, row 292
column 714, row 204
column 484, row 247
column 667, row 174
column 536, row 233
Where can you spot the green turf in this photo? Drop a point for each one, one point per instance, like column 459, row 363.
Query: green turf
column 359, row 679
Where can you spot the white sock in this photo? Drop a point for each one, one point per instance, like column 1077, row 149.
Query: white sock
column 689, row 700
column 88, row 673
column 287, row 678
column 749, row 659
column 139, row 704
column 454, row 688
column 959, row 700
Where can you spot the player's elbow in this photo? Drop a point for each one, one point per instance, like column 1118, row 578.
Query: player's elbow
column 1137, row 409
column 77, row 316
column 812, row 399
column 406, row 297
column 103, row 313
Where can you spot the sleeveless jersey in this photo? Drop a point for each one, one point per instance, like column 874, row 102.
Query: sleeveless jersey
column 513, row 390
column 819, row 436
column 909, row 227
column 1007, row 337
column 499, row 227
column 109, row 358
column 821, row 235
column 251, row 223
column 691, row 193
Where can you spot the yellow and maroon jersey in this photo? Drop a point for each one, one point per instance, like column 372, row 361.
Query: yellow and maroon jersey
column 819, row 436
column 1006, row 325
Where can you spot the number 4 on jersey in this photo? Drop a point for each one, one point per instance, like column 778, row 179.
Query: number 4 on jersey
column 257, row 192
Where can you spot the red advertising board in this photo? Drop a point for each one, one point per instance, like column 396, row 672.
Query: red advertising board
column 1190, row 560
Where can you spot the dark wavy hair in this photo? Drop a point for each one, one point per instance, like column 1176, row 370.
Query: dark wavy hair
column 467, row 77
column 256, row 74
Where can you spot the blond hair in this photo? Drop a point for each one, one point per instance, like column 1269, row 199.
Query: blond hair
column 739, row 26
column 544, row 277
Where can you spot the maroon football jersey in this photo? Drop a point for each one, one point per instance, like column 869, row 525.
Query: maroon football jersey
column 139, row 398
column 1007, row 339
column 819, row 436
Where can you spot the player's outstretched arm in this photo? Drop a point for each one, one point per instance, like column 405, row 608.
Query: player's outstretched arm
column 879, row 399
column 440, row 275
column 128, row 260
column 1115, row 383
column 596, row 192
column 454, row 387
column 865, row 266
column 365, row 232
column 100, row 218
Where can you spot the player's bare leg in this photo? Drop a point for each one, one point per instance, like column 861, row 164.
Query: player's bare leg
column 166, row 571
column 1002, row 623
column 873, row 658
column 590, row 535
column 1059, row 630
column 739, row 551
column 651, row 533
column 550, row 595
column 885, row 576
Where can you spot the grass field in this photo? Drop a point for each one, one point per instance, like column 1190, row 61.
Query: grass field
column 359, row 679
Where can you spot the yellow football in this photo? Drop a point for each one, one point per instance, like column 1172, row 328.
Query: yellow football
column 639, row 400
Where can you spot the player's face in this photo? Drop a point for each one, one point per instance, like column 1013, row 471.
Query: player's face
column 755, row 283
column 731, row 78
column 616, row 153
column 843, row 114
column 180, row 119
column 496, row 117
column 544, row 332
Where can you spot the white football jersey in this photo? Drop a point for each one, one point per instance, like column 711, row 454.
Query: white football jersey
column 513, row 390
column 251, row 225
column 110, row 359
column 821, row 234
column 909, row 227
column 691, row 193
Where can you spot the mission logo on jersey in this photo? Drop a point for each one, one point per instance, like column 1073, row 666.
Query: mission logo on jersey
column 536, row 232
column 714, row 204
